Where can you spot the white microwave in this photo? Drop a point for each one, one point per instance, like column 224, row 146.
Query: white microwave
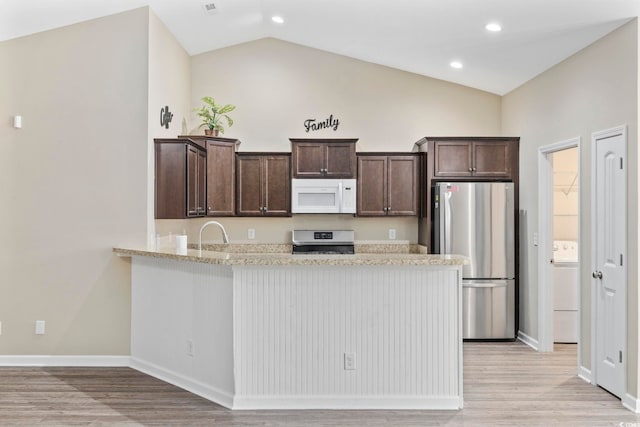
column 323, row 196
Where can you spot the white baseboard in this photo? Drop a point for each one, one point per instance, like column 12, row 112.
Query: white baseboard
column 533, row 343
column 216, row 395
column 631, row 403
column 76, row 361
column 348, row 402
column 585, row 374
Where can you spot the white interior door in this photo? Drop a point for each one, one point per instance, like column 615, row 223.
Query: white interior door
column 609, row 276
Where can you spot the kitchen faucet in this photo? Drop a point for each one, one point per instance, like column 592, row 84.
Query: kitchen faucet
column 225, row 237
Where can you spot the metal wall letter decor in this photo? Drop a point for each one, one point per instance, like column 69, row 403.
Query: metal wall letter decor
column 165, row 117
column 313, row 124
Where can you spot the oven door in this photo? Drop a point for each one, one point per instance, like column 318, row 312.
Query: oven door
column 315, row 195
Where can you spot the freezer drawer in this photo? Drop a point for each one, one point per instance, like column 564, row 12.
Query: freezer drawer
column 488, row 309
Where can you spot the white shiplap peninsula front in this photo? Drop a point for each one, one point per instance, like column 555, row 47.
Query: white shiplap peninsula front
column 255, row 331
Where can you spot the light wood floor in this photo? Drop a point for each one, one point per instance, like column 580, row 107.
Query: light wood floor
column 506, row 384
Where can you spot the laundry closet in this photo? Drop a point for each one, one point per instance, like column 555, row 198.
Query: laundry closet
column 565, row 245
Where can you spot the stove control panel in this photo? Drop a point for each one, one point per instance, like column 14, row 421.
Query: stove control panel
column 301, row 237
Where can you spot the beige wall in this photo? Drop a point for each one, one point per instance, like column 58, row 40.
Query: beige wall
column 72, row 184
column 277, row 85
column 593, row 90
column 169, row 85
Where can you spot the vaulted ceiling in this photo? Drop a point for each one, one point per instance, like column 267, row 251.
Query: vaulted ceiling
column 420, row 36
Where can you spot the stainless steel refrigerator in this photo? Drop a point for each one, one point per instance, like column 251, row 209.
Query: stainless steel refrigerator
column 476, row 219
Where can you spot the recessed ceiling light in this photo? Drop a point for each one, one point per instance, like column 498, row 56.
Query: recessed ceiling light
column 277, row 19
column 456, row 64
column 493, row 27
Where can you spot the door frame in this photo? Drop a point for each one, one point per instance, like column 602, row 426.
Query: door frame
column 545, row 251
column 603, row 134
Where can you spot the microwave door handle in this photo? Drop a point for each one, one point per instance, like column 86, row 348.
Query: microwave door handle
column 340, row 197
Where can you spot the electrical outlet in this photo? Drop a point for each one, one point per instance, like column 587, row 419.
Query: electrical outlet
column 40, row 327
column 190, row 348
column 392, row 233
column 349, row 361
column 251, row 233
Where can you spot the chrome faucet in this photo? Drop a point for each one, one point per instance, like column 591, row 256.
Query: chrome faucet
column 225, row 237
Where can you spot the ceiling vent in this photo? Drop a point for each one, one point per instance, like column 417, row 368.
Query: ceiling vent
column 210, row 8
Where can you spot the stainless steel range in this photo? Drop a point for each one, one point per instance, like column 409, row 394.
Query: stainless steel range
column 312, row 242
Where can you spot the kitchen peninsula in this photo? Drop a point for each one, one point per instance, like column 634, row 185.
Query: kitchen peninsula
column 255, row 327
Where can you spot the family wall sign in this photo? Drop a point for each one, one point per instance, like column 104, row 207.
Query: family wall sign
column 313, row 124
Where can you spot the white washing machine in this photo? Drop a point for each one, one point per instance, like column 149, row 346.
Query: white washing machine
column 565, row 291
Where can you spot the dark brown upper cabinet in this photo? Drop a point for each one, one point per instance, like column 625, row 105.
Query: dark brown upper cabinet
column 221, row 178
column 323, row 158
column 180, row 179
column 221, row 173
column 388, row 184
column 264, row 184
column 486, row 158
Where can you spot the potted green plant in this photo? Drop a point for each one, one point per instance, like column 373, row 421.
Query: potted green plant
column 212, row 115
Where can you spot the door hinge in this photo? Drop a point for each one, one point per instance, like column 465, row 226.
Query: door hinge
column 620, row 162
column 620, row 353
column 620, row 260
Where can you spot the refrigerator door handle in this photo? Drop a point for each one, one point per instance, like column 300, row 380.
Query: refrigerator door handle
column 500, row 284
column 445, row 220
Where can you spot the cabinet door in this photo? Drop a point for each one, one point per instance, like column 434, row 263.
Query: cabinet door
column 170, row 180
column 372, row 189
column 277, row 185
column 249, row 176
column 340, row 160
column 192, row 181
column 202, row 182
column 492, row 159
column 308, row 159
column 221, row 160
column 452, row 158
column 402, row 185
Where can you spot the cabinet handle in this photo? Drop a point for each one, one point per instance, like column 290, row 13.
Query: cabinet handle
column 264, row 209
column 470, row 169
column 474, row 169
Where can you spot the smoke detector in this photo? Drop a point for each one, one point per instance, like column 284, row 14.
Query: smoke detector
column 210, row 8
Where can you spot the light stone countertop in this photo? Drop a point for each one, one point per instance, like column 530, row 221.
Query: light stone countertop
column 280, row 254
